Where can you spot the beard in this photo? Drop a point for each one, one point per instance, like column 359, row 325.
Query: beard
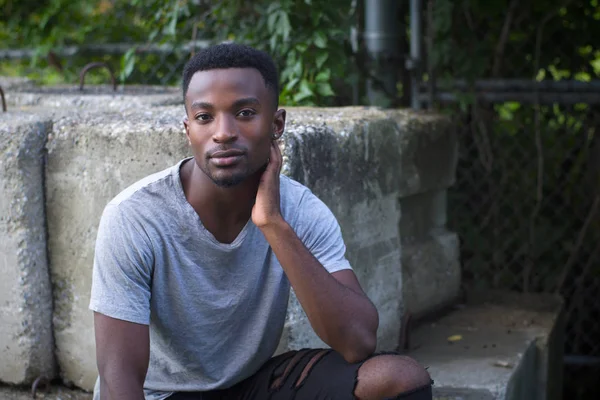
column 229, row 181
column 235, row 178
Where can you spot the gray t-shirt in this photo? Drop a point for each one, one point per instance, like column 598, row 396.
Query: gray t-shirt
column 216, row 311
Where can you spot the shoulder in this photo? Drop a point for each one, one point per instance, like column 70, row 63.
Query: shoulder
column 145, row 186
column 300, row 203
column 292, row 189
column 141, row 208
column 294, row 195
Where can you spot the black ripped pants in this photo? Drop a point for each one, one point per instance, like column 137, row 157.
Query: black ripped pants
column 301, row 375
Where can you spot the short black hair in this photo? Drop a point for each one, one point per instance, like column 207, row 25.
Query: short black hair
column 233, row 55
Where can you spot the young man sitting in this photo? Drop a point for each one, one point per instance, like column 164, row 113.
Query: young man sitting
column 194, row 264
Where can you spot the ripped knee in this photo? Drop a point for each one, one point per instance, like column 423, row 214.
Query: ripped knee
column 390, row 375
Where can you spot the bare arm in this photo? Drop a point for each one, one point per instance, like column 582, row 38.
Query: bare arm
column 336, row 306
column 122, row 354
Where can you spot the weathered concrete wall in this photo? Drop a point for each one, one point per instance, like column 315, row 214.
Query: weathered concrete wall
column 26, row 340
column 367, row 165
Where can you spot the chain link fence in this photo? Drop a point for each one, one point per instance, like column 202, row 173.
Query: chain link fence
column 527, row 198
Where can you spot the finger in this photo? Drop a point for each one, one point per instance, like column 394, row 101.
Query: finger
column 276, row 154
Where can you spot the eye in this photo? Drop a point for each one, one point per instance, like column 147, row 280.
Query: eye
column 246, row 113
column 203, row 117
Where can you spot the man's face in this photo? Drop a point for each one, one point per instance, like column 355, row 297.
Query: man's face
column 231, row 120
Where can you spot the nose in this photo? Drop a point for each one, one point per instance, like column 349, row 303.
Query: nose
column 226, row 129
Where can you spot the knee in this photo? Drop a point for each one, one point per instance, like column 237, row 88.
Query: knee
column 387, row 376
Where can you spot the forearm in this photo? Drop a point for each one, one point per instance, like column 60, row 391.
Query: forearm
column 117, row 385
column 343, row 318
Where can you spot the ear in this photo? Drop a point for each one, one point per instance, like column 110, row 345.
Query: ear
column 279, row 123
column 186, row 126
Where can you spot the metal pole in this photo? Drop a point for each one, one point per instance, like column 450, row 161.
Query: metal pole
column 415, row 52
column 381, row 36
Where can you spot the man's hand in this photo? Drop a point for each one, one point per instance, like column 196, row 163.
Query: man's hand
column 266, row 210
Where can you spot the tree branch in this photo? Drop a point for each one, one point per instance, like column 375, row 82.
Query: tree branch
column 499, row 52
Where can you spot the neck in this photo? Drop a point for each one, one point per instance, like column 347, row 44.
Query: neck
column 228, row 205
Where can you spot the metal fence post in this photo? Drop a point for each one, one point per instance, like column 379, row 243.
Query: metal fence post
column 381, row 36
column 414, row 62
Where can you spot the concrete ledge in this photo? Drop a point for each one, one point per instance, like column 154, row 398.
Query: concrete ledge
column 93, row 97
column 26, row 341
column 504, row 348
column 10, row 83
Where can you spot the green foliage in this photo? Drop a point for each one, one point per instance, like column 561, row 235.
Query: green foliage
column 308, row 38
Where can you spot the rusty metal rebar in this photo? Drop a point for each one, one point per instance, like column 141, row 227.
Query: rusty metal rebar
column 3, row 99
column 41, row 380
column 97, row 65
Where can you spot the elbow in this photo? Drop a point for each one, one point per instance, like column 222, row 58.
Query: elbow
column 361, row 349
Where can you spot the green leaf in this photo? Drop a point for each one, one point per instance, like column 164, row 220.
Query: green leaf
column 304, row 93
column 321, row 58
column 272, row 21
column 274, row 6
column 172, row 29
column 596, row 65
column 323, row 76
column 284, row 26
column 128, row 62
column 540, row 75
column 293, row 82
column 301, row 47
column 320, row 40
column 297, row 69
column 324, row 89
column 583, row 76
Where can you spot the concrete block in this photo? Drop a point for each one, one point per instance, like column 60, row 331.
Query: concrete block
column 360, row 161
column 354, row 159
column 91, row 158
column 431, row 272
column 93, row 97
column 430, row 154
column 431, row 275
column 26, row 342
column 494, row 347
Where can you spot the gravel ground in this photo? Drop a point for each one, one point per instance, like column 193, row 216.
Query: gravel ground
column 54, row 393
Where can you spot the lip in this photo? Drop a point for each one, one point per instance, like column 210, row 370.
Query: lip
column 226, row 158
column 227, row 153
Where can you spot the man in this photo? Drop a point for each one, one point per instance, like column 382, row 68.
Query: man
column 194, row 264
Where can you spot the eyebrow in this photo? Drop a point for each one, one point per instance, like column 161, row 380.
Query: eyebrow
column 246, row 101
